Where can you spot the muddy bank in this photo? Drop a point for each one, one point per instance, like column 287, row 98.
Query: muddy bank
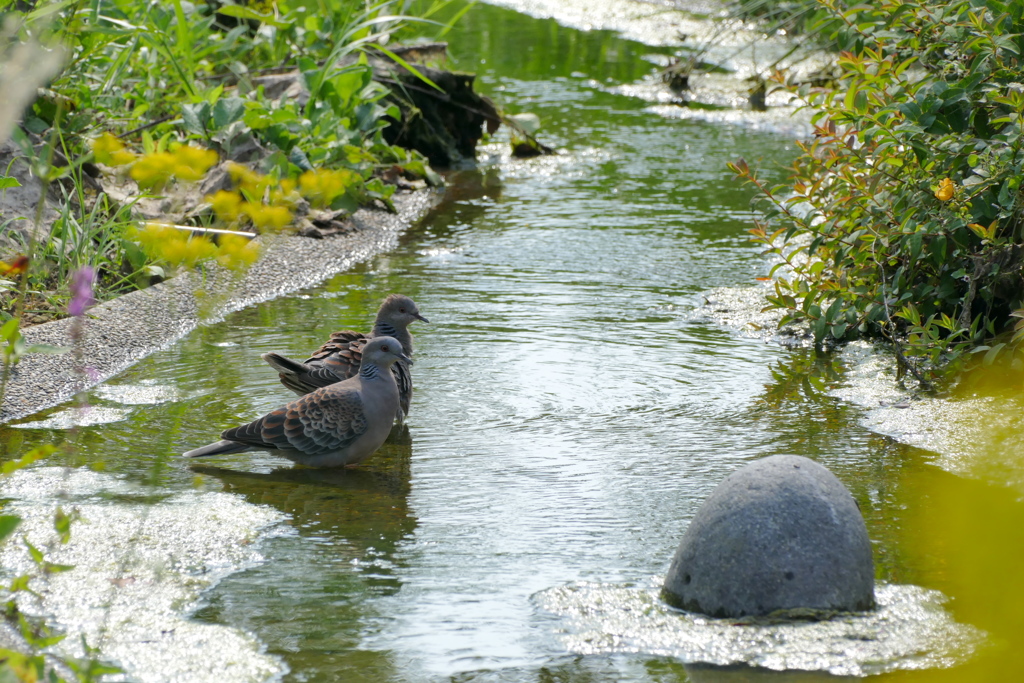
column 120, row 332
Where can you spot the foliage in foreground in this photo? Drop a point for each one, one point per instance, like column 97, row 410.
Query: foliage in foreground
column 903, row 217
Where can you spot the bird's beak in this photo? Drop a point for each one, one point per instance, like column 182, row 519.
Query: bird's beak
column 420, row 317
column 407, row 359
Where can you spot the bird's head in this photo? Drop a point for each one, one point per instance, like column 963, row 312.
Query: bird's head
column 399, row 310
column 384, row 352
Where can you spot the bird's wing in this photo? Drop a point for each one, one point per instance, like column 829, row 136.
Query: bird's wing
column 324, row 421
column 342, row 353
column 403, row 377
column 310, row 379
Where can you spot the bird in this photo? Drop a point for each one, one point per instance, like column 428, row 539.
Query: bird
column 338, row 358
column 339, row 425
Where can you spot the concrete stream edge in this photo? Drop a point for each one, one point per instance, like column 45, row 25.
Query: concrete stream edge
column 120, row 332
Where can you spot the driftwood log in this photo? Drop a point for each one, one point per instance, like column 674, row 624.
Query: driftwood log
column 444, row 125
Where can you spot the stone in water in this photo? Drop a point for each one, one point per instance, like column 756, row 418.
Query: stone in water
column 781, row 533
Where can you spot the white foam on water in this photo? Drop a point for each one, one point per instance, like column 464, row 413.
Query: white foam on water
column 140, row 569
column 143, row 393
column 909, row 630
column 79, row 416
column 980, row 437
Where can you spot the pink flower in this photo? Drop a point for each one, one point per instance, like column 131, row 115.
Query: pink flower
column 81, row 290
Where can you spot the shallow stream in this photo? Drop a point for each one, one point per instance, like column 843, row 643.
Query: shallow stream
column 573, row 408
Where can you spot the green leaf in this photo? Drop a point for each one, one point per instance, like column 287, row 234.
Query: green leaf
column 194, row 117
column 299, row 158
column 47, row 641
column 228, row 110
column 820, row 327
column 992, row 353
column 243, row 12
column 36, row 553
column 10, row 330
column 7, row 181
column 62, row 524
column 406, row 65
column 8, row 523
column 47, row 349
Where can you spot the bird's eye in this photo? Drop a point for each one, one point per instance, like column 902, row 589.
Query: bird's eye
column 385, row 348
column 401, row 310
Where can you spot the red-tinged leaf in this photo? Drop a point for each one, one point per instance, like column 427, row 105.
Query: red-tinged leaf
column 17, row 266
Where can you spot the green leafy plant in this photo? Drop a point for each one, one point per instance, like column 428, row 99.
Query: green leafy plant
column 144, row 79
column 903, row 217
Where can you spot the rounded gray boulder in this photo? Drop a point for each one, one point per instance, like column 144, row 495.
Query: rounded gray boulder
column 780, row 533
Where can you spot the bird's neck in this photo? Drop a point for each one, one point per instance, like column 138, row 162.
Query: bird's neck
column 369, row 371
column 386, row 329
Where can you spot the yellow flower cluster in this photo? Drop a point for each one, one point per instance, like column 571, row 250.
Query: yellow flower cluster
column 236, row 252
column 177, row 247
column 267, row 204
column 322, row 186
column 110, row 151
column 249, row 181
column 181, row 248
column 185, row 163
column 226, row 205
column 229, row 207
column 285, row 194
column 267, row 216
column 946, row 190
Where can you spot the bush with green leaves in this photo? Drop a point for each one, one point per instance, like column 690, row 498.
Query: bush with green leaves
column 904, row 216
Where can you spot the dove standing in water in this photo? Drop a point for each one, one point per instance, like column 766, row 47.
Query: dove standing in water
column 339, row 357
column 337, row 425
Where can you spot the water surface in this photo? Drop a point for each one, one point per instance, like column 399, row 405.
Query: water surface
column 571, row 410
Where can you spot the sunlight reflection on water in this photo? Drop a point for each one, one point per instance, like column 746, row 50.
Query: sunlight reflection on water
column 909, row 630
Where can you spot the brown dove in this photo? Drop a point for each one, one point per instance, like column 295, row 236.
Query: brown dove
column 339, row 357
column 339, row 425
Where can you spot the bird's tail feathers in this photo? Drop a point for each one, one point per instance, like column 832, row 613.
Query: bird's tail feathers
column 222, row 447
column 286, row 366
column 295, row 383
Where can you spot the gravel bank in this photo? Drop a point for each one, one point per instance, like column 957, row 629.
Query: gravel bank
column 120, row 332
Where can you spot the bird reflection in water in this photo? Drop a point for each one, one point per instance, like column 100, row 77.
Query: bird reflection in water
column 363, row 510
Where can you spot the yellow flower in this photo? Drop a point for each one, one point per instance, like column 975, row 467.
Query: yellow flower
column 110, row 151
column 177, row 247
column 285, row 194
column 245, row 178
column 946, row 190
column 192, row 163
column 152, row 235
column 226, row 205
column 323, row 186
column 236, row 252
column 186, row 163
column 154, row 170
column 265, row 217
